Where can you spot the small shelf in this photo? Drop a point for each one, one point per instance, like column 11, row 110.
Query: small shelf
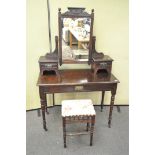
column 102, row 73
column 49, row 72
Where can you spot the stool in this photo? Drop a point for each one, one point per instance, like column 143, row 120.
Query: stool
column 74, row 111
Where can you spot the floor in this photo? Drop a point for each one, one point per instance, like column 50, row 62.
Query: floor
column 107, row 141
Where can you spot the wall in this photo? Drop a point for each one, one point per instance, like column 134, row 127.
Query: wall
column 110, row 29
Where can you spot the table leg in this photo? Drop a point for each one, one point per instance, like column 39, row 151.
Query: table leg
column 92, row 129
column 111, row 108
column 102, row 100
column 87, row 127
column 43, row 106
column 53, row 100
column 46, row 106
column 43, row 116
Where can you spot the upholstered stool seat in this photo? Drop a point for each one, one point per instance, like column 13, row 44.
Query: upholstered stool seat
column 78, row 111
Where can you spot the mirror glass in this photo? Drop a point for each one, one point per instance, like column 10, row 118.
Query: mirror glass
column 75, row 39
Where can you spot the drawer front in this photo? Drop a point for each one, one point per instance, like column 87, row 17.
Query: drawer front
column 104, row 65
column 49, row 65
column 79, row 88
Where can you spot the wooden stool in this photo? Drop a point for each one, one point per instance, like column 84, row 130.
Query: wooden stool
column 74, row 111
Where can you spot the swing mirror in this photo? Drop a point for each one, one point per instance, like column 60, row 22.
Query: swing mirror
column 75, row 33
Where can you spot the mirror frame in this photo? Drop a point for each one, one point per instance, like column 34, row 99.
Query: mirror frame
column 74, row 12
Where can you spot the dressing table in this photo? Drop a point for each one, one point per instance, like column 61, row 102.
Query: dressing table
column 53, row 80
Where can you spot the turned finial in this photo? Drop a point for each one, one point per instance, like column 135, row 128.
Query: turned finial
column 92, row 10
column 59, row 9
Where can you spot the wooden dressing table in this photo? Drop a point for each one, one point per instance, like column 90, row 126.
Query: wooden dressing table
column 82, row 80
column 98, row 78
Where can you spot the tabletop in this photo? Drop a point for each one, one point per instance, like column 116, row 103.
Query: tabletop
column 73, row 77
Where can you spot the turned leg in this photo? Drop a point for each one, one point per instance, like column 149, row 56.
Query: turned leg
column 64, row 130
column 102, row 100
column 111, row 109
column 43, row 106
column 92, row 129
column 46, row 106
column 88, row 125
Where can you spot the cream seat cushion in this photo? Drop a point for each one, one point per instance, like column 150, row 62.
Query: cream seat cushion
column 77, row 107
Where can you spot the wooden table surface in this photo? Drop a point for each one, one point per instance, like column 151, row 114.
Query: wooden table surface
column 79, row 76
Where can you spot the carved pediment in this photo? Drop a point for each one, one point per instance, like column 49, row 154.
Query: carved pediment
column 74, row 11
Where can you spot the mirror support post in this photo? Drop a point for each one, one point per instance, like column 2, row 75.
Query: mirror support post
column 60, row 33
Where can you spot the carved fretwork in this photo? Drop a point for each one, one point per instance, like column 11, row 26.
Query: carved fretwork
column 74, row 11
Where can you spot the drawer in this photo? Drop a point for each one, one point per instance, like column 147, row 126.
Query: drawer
column 79, row 88
column 49, row 65
column 104, row 65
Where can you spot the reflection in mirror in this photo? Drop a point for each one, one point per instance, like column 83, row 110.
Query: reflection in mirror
column 75, row 38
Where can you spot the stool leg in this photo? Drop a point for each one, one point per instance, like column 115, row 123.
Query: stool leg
column 88, row 125
column 46, row 106
column 64, row 130
column 92, row 129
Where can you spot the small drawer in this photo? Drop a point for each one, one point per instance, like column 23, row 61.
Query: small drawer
column 103, row 65
column 49, row 65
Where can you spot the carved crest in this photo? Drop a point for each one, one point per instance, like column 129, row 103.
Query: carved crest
column 74, row 11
